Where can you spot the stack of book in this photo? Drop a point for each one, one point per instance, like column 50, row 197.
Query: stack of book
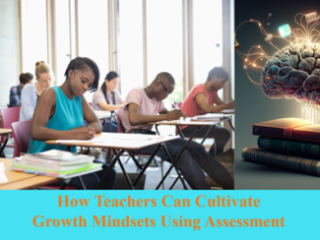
column 56, row 163
column 291, row 143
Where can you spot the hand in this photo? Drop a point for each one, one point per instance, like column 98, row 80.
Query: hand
column 175, row 114
column 84, row 133
column 230, row 105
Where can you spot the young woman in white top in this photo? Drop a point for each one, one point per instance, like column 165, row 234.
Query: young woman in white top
column 108, row 98
column 31, row 92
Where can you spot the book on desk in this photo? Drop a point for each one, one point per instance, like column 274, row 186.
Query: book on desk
column 290, row 143
column 55, row 163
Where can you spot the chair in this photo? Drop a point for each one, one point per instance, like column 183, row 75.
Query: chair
column 22, row 135
column 9, row 116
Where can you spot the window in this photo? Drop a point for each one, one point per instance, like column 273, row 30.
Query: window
column 131, row 45
column 207, row 32
column 93, row 35
column 164, row 41
column 34, row 33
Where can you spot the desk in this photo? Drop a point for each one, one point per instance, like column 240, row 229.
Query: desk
column 122, row 141
column 20, row 180
column 6, row 132
column 178, row 123
column 228, row 111
column 103, row 114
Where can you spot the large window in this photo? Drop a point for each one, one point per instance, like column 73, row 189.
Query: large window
column 131, row 45
column 93, row 35
column 141, row 49
column 207, row 32
column 34, row 33
column 164, row 41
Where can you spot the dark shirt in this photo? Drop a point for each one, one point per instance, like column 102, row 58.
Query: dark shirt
column 15, row 96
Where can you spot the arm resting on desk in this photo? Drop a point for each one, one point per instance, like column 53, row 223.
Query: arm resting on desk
column 109, row 107
column 206, row 108
column 136, row 118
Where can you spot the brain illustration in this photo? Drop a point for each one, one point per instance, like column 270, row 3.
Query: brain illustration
column 293, row 71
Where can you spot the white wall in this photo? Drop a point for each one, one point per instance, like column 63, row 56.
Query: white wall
column 9, row 73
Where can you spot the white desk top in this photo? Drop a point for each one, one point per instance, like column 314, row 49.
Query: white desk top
column 188, row 122
column 126, row 141
column 103, row 114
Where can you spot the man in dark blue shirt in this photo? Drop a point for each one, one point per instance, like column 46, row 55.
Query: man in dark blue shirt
column 15, row 91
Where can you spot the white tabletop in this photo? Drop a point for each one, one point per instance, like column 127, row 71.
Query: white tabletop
column 126, row 141
column 103, row 114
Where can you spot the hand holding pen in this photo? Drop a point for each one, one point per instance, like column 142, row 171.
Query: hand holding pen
column 176, row 113
column 84, row 133
column 175, row 105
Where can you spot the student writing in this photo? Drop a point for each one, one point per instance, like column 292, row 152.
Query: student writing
column 60, row 112
column 142, row 107
column 202, row 99
column 108, row 98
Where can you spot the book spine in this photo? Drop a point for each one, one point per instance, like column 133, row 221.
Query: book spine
column 304, row 149
column 300, row 164
column 268, row 132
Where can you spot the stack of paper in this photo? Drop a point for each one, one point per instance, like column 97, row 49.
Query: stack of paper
column 210, row 117
column 55, row 163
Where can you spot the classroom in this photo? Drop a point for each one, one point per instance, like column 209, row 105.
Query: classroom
column 117, row 94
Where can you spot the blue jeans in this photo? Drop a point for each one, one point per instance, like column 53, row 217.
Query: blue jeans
column 194, row 160
column 92, row 180
column 110, row 126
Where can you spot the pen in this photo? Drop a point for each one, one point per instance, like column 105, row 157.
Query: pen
column 85, row 123
column 176, row 105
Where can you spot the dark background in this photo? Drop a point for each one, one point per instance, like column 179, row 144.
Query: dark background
column 252, row 106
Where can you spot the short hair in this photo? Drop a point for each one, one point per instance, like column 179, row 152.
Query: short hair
column 25, row 77
column 219, row 72
column 167, row 76
column 81, row 63
column 111, row 75
column 41, row 67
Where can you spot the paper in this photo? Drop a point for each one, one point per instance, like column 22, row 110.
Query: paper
column 3, row 177
column 228, row 111
column 103, row 114
column 210, row 117
column 116, row 139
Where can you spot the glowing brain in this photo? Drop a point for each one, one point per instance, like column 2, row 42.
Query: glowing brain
column 294, row 71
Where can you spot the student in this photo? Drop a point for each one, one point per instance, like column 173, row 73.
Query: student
column 108, row 98
column 15, row 91
column 201, row 100
column 142, row 107
column 31, row 92
column 60, row 113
